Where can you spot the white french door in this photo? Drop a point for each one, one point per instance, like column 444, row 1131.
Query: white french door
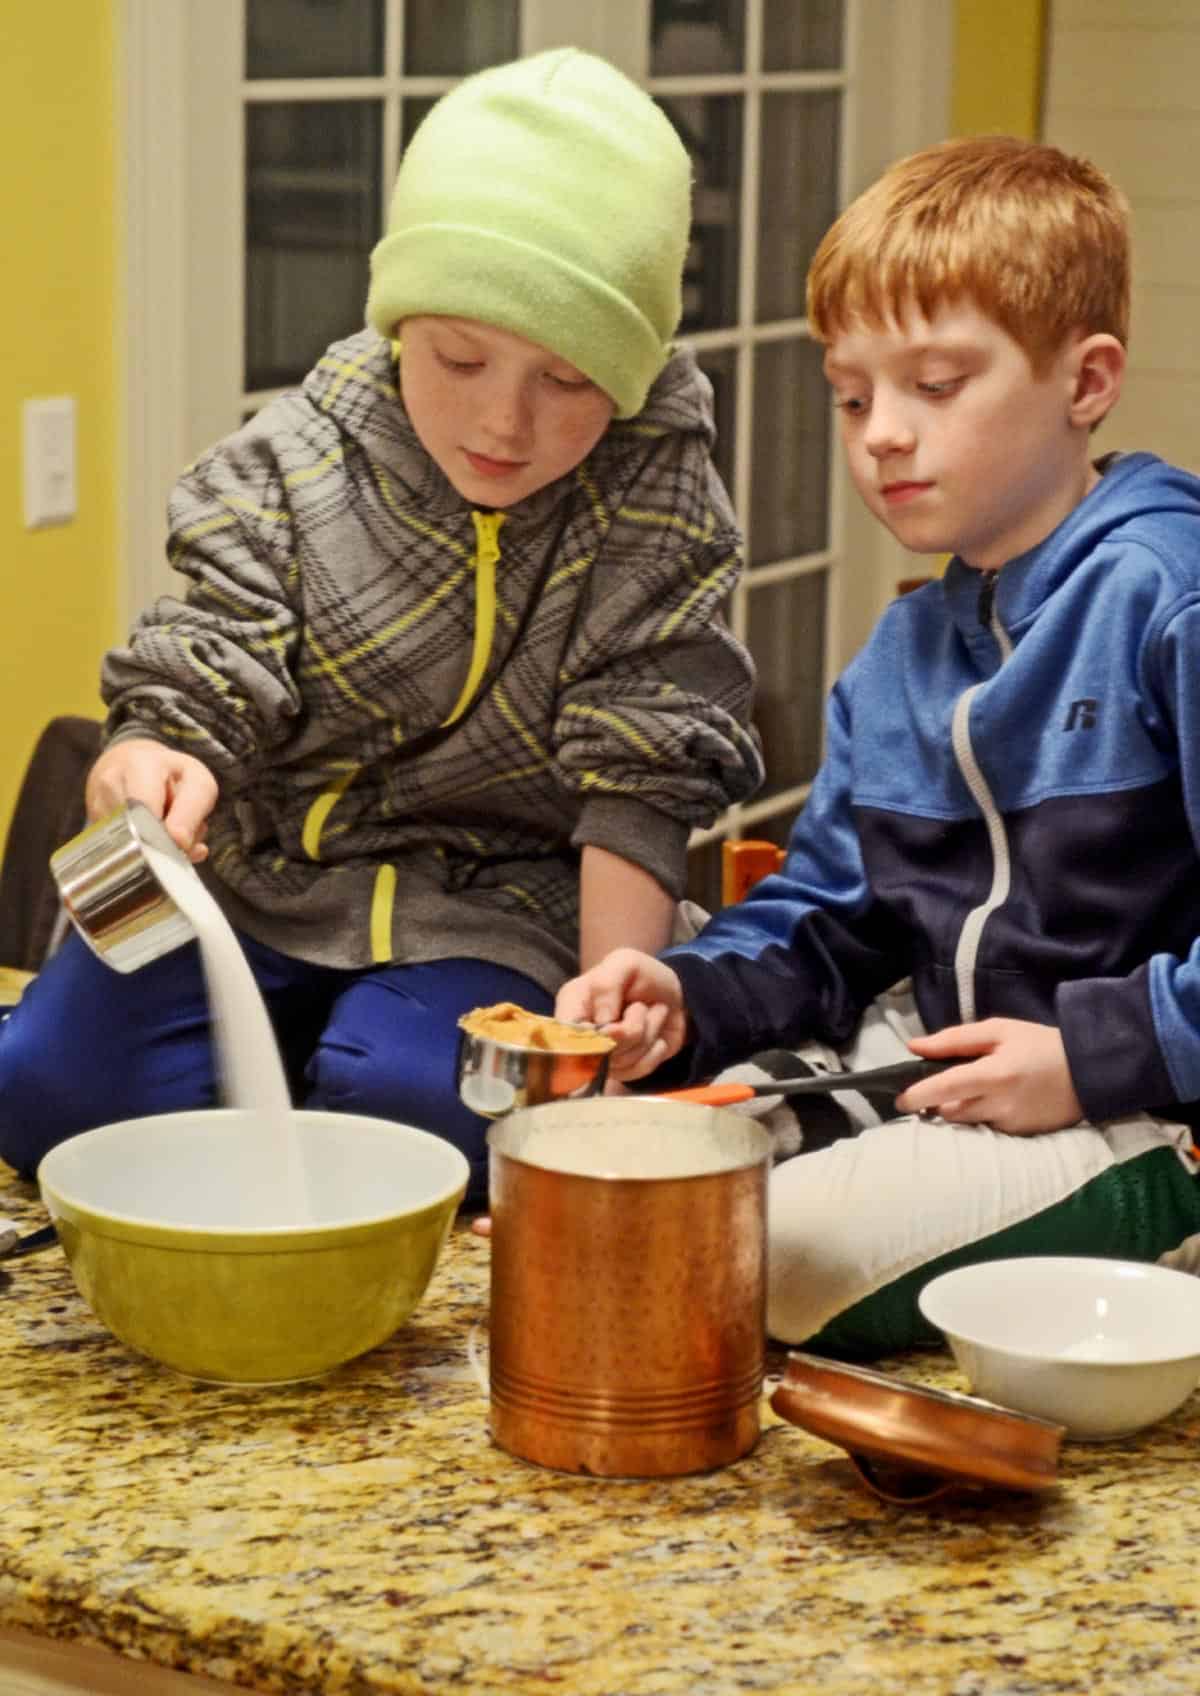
column 262, row 142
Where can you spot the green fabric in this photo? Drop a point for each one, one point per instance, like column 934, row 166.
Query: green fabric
column 550, row 197
column 1136, row 1210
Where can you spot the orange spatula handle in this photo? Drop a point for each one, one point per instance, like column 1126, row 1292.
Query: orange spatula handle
column 711, row 1095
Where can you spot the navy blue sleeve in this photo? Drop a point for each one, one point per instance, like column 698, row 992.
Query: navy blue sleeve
column 808, row 948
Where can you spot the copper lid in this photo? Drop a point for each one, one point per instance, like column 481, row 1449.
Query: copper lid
column 929, row 1439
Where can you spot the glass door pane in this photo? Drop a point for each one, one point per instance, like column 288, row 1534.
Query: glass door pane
column 799, row 147
column 803, row 35
column 688, row 37
column 314, row 38
column 450, row 38
column 710, row 127
column 313, row 191
column 789, row 499
column 787, row 636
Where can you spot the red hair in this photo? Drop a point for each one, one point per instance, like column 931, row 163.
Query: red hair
column 1038, row 240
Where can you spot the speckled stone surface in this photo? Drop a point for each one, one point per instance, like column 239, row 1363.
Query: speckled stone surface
column 362, row 1534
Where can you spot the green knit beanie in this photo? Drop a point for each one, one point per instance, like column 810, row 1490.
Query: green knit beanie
column 550, row 197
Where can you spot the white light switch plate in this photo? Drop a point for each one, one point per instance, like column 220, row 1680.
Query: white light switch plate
column 48, row 429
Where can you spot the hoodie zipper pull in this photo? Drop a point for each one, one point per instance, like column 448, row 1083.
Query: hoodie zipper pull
column 987, row 597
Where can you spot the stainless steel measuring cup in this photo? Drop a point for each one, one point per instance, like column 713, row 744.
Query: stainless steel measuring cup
column 110, row 893
column 494, row 1076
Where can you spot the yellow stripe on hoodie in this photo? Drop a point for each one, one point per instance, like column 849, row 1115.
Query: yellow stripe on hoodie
column 487, row 557
column 383, row 901
column 314, row 819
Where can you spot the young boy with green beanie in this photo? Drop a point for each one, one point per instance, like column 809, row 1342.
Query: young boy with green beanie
column 450, row 683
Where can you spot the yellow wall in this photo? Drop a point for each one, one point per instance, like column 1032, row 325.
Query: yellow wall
column 59, row 310
column 997, row 67
column 58, row 317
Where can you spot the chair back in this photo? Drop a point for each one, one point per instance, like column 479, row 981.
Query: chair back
column 49, row 810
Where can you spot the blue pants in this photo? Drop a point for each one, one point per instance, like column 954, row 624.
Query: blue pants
column 90, row 1046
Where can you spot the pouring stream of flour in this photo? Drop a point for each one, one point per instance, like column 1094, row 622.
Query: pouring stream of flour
column 249, row 1070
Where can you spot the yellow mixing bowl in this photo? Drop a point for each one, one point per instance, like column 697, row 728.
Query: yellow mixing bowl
column 180, row 1240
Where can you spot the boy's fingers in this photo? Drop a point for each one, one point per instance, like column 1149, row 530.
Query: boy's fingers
column 947, row 1090
column 106, row 788
column 572, row 1002
column 191, row 794
column 654, row 1056
column 589, row 998
column 656, row 1018
column 635, row 1061
column 954, row 1041
column 606, row 1008
column 184, row 825
column 633, row 1021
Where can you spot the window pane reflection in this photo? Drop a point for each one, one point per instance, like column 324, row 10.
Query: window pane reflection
column 711, row 130
column 805, row 37
column 721, row 370
column 312, row 215
column 413, row 108
column 786, row 633
column 799, row 150
column 789, row 503
column 448, row 38
column 691, row 36
column 297, row 38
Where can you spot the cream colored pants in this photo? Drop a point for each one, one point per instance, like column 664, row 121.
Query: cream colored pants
column 856, row 1229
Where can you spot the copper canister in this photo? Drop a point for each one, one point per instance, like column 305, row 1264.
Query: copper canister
column 628, row 1285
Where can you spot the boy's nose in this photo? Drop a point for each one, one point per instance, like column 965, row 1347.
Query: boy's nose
column 888, row 431
column 506, row 414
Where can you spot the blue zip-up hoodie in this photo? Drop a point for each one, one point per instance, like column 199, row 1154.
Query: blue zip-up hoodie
column 1008, row 811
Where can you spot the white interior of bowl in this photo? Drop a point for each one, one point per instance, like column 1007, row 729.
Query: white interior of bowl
column 1067, row 1308
column 213, row 1171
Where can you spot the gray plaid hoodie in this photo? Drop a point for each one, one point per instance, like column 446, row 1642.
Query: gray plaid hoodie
column 419, row 713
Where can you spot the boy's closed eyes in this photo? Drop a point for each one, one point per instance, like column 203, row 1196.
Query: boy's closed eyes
column 857, row 401
column 936, row 375
column 457, row 351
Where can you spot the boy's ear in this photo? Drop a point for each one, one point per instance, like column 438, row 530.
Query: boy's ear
column 1098, row 363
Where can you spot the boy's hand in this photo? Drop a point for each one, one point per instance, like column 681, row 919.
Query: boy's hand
column 1015, row 1077
column 634, row 998
column 178, row 789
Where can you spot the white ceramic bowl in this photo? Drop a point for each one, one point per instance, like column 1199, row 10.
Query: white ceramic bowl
column 184, row 1241
column 1103, row 1347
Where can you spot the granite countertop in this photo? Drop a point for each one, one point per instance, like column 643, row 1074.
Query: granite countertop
column 362, row 1534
